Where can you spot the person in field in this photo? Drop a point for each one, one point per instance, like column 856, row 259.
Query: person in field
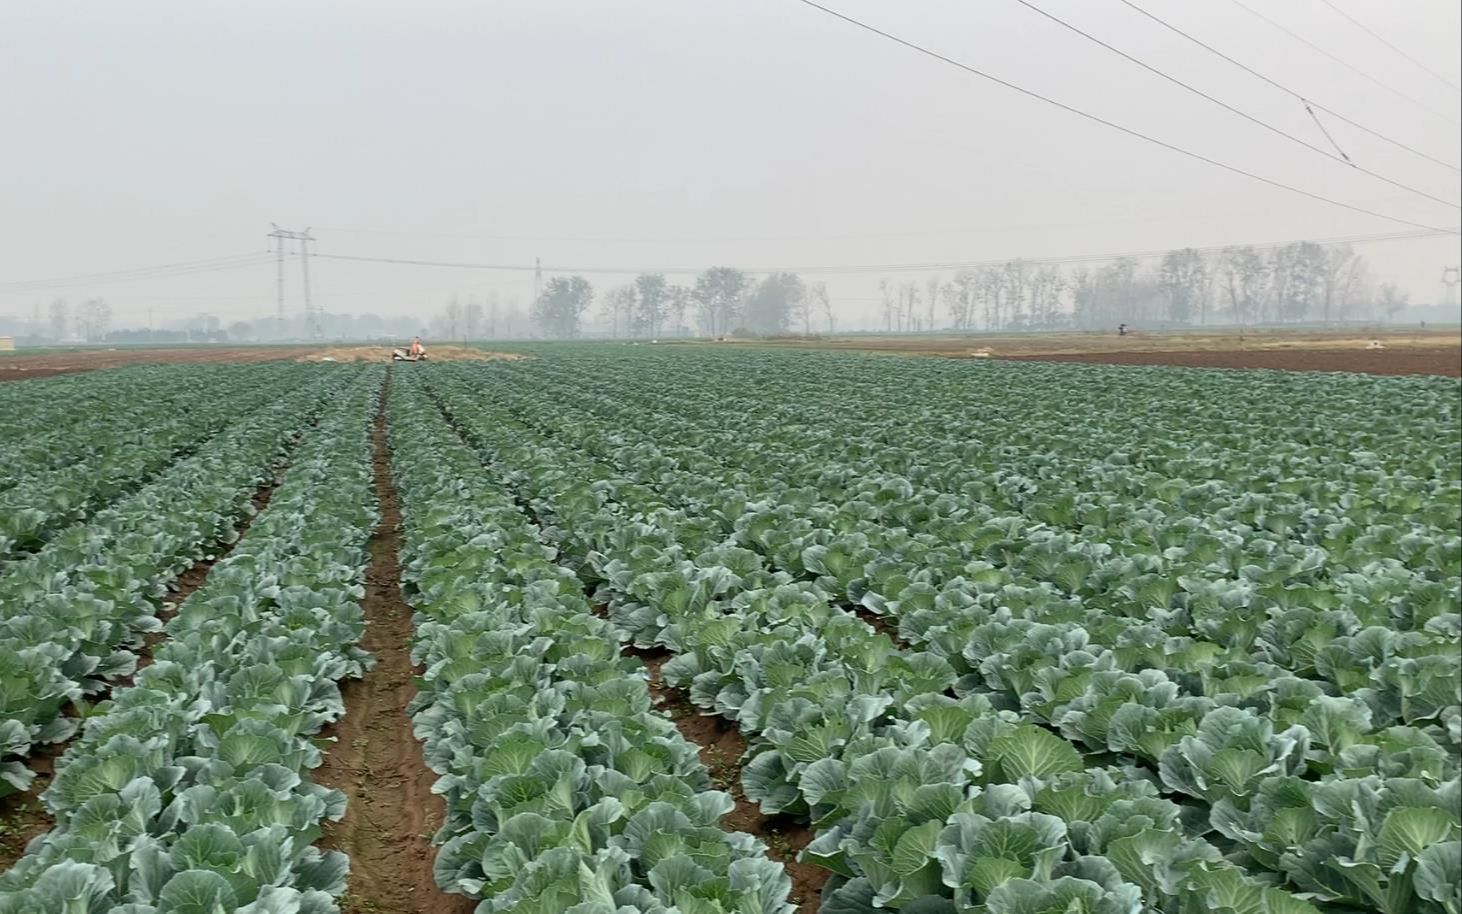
column 416, row 348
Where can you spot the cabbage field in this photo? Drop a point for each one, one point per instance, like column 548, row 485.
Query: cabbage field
column 712, row 630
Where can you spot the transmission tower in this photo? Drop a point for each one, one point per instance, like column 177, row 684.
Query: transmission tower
column 280, row 244
column 1450, row 277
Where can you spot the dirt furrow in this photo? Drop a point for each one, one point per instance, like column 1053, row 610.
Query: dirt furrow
column 722, row 749
column 375, row 760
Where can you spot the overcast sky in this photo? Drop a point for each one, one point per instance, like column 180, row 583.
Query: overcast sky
column 682, row 133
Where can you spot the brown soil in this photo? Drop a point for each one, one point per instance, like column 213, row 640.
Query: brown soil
column 20, row 367
column 881, row 624
column 965, row 345
column 383, row 354
column 22, row 815
column 1401, row 360
column 375, row 759
column 721, row 749
column 25, row 374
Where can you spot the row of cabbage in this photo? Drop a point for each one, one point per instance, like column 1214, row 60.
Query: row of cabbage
column 924, row 801
column 565, row 791
column 46, row 423
column 73, row 614
column 1401, row 676
column 188, row 792
column 1106, row 707
column 1410, row 678
column 1018, row 435
column 1357, row 622
column 144, row 423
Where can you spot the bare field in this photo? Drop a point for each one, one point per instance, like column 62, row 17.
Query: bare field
column 1410, row 351
column 383, row 354
column 22, row 366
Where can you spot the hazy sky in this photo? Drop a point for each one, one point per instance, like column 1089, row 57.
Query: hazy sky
column 652, row 133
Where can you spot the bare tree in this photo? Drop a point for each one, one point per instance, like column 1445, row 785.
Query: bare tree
column 801, row 310
column 817, row 292
column 1015, row 283
column 93, row 317
column 561, row 308
column 771, row 304
column 1047, row 285
column 472, row 319
column 1342, row 272
column 720, row 292
column 1183, row 277
column 1392, row 300
column 931, row 298
column 960, row 297
column 886, row 298
column 1244, row 278
column 908, row 302
column 59, row 319
column 452, row 319
column 990, row 290
column 679, row 298
column 619, row 304
column 652, row 299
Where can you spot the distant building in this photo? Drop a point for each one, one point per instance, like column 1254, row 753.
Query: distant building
column 7, row 344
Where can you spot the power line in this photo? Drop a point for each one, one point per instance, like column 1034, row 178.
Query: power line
column 1342, row 157
column 110, row 273
column 1364, row 28
column 1106, row 123
column 1347, row 65
column 163, row 271
column 1373, row 237
column 280, row 240
column 1303, row 99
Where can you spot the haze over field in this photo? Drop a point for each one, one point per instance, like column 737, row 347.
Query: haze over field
column 645, row 135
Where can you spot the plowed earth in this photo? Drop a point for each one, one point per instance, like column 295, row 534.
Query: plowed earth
column 1401, row 361
column 376, row 761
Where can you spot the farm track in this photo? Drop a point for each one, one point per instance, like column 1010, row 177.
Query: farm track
column 376, row 760
column 22, row 816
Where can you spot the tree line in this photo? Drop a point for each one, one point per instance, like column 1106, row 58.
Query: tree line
column 1298, row 282
column 722, row 301
column 1237, row 285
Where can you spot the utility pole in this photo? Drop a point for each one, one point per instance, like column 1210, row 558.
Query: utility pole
column 281, row 237
column 317, row 329
column 277, row 245
column 537, row 280
column 1450, row 276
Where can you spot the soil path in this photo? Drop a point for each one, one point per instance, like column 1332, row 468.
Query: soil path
column 722, row 749
column 22, row 816
column 376, row 760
